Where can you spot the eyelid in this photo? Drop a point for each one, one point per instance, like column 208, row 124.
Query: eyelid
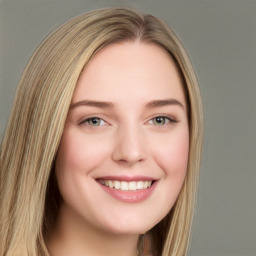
column 88, row 118
column 171, row 119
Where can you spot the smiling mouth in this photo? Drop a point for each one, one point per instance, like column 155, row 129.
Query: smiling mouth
column 126, row 185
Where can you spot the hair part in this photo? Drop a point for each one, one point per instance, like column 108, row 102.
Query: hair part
column 30, row 199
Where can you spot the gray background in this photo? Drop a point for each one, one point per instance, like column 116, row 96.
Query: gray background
column 220, row 37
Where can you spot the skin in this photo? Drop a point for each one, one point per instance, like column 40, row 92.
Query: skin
column 126, row 139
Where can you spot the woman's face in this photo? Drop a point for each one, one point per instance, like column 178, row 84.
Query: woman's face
column 124, row 151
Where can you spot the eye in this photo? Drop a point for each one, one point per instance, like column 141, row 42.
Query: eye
column 94, row 121
column 161, row 120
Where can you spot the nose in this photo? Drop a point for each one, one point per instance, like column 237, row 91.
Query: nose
column 129, row 146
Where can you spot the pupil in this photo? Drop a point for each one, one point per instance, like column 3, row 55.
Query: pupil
column 159, row 120
column 95, row 120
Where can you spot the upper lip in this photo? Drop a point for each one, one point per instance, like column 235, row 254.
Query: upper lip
column 127, row 178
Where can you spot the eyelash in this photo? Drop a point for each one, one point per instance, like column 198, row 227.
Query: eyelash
column 167, row 121
column 86, row 121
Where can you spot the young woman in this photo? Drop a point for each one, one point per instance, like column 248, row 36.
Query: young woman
column 102, row 151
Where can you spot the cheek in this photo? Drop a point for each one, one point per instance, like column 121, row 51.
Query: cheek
column 172, row 156
column 79, row 153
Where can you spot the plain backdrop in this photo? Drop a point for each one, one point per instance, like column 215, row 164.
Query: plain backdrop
column 220, row 36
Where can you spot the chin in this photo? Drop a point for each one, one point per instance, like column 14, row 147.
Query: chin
column 129, row 230
column 135, row 225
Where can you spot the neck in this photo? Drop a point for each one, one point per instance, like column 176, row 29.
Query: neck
column 71, row 235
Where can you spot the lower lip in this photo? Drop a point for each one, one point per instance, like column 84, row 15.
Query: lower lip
column 136, row 196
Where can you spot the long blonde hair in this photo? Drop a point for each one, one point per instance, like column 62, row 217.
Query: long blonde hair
column 29, row 198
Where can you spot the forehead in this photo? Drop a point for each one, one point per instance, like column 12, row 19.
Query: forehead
column 130, row 69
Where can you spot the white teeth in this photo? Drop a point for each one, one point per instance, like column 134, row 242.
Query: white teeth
column 140, row 185
column 132, row 185
column 145, row 184
column 111, row 184
column 117, row 184
column 126, row 186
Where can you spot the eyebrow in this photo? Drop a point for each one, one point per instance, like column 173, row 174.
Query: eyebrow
column 110, row 105
column 164, row 102
column 99, row 104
